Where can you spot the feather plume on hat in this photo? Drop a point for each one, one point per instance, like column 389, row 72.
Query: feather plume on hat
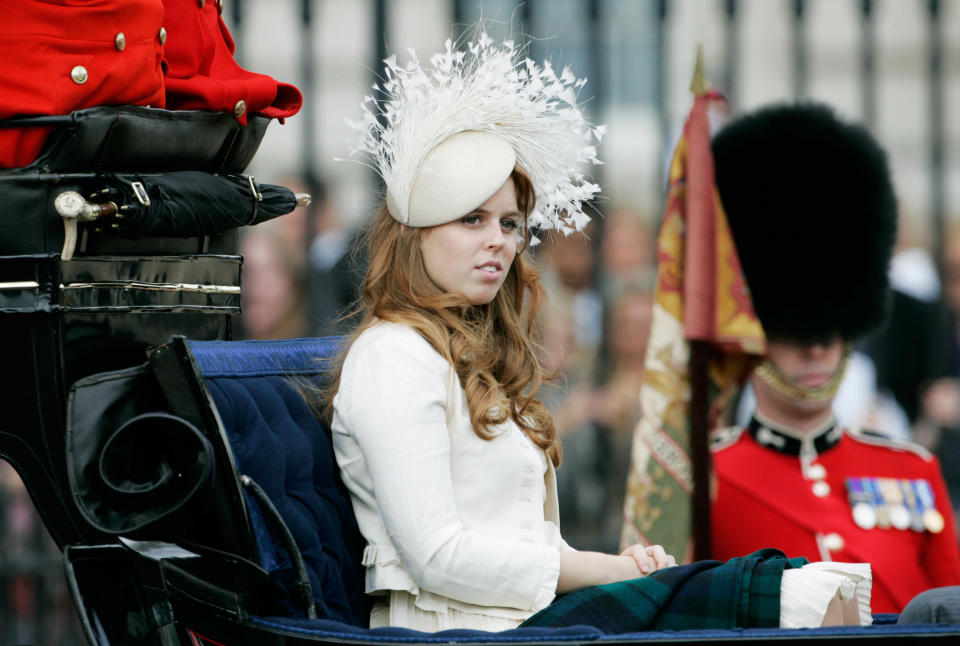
column 488, row 88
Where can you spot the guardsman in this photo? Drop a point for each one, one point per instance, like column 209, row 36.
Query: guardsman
column 813, row 213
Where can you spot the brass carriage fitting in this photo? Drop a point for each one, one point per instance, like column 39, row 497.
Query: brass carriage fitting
column 257, row 195
column 71, row 206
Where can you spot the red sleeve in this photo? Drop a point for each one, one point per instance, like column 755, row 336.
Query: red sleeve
column 942, row 554
column 203, row 75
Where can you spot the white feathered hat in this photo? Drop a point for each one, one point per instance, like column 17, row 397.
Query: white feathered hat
column 445, row 137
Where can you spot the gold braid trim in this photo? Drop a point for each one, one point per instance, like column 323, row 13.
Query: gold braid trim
column 771, row 375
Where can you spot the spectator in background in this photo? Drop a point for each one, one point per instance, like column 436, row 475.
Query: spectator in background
column 573, row 317
column 597, row 420
column 572, row 323
column 627, row 252
column 336, row 271
column 325, row 249
column 913, row 348
column 273, row 304
column 622, row 356
column 595, row 337
column 938, row 403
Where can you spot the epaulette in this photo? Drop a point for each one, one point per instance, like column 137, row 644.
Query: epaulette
column 721, row 438
column 875, row 438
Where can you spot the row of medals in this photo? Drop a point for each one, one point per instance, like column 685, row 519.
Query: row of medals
column 894, row 502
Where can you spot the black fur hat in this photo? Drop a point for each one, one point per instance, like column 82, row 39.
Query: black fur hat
column 811, row 205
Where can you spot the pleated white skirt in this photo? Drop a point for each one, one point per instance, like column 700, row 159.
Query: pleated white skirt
column 399, row 609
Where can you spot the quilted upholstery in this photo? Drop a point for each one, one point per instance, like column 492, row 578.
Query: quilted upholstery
column 278, row 443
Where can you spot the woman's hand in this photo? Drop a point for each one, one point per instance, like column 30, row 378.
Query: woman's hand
column 579, row 569
column 649, row 559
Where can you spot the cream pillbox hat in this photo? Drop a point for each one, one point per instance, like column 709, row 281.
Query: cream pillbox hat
column 457, row 176
column 445, row 136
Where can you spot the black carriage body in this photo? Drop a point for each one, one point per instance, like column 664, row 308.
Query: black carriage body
column 100, row 311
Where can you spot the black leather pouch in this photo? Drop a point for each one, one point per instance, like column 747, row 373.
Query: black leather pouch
column 134, row 468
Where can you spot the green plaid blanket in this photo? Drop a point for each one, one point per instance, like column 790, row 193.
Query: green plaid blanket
column 743, row 592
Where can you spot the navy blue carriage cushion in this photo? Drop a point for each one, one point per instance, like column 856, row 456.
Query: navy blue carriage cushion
column 278, row 443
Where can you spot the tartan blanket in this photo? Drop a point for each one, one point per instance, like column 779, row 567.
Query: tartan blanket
column 744, row 592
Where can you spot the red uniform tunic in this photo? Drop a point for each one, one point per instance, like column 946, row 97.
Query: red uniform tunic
column 64, row 55
column 764, row 498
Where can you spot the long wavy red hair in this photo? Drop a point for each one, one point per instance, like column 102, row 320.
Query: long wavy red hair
column 492, row 346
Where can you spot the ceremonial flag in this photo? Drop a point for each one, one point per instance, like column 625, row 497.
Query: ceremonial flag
column 701, row 298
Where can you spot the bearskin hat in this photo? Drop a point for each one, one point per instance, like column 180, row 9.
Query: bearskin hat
column 813, row 214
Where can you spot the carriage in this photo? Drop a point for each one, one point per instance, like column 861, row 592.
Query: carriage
column 194, row 496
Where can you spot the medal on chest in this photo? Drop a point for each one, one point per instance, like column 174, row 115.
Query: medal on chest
column 899, row 503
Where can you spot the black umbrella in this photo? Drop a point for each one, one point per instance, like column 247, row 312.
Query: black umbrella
column 193, row 203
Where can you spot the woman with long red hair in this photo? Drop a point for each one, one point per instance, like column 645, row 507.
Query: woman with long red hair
column 448, row 453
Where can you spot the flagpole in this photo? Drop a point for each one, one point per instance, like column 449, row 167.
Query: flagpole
column 700, row 450
column 699, row 444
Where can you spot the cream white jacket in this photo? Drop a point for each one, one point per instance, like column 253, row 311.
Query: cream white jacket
column 456, row 521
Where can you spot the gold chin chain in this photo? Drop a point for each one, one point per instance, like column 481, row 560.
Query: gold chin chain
column 771, row 375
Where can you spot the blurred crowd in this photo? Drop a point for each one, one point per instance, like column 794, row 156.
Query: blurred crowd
column 302, row 273
column 37, row 607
